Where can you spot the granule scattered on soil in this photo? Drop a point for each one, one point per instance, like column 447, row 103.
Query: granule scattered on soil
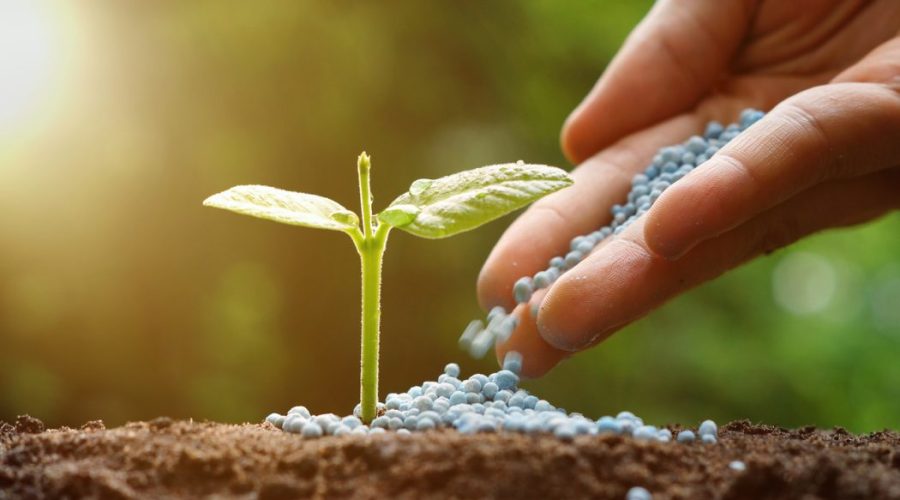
column 480, row 403
column 188, row 459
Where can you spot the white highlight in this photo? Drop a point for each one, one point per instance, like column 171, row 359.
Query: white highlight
column 804, row 283
column 28, row 57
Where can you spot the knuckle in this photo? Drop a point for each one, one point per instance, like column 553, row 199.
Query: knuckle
column 746, row 173
column 809, row 127
column 632, row 248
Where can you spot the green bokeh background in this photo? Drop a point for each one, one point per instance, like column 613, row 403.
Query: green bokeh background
column 122, row 298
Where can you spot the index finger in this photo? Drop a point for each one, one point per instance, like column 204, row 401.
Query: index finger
column 683, row 47
column 835, row 131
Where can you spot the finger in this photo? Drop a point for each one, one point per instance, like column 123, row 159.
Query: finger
column 545, row 229
column 673, row 58
column 624, row 280
column 882, row 65
column 833, row 131
column 538, row 357
column 816, row 37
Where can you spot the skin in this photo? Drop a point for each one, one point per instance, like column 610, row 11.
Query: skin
column 827, row 154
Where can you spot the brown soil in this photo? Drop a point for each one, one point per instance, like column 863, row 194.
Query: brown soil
column 165, row 458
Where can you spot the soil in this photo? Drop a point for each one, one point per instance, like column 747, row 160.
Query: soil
column 166, row 458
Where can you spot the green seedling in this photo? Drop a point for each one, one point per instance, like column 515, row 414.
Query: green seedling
column 432, row 208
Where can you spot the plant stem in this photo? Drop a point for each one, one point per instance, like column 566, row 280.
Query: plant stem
column 371, row 250
column 370, row 258
column 365, row 193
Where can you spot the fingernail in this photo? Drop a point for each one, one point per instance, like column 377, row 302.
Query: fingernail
column 550, row 331
column 570, row 342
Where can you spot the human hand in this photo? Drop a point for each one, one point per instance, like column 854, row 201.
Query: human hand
column 827, row 155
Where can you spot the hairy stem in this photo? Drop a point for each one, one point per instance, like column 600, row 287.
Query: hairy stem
column 371, row 250
column 370, row 259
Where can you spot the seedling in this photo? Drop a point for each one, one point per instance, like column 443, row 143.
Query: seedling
column 432, row 208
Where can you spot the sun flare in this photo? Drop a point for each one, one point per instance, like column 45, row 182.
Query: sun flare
column 28, row 58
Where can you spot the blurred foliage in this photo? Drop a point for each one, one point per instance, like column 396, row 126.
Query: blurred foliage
column 122, row 298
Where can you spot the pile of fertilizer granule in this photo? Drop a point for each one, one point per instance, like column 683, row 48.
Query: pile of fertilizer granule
column 480, row 403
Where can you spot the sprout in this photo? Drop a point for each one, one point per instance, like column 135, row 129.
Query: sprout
column 432, row 208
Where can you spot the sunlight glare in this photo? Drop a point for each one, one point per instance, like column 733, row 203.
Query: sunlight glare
column 27, row 58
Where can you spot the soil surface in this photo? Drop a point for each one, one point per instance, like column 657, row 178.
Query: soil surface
column 166, row 458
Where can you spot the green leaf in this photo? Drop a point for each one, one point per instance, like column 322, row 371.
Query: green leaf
column 399, row 215
column 468, row 199
column 287, row 207
column 419, row 186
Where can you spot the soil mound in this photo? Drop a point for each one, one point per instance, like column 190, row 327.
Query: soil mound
column 168, row 458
